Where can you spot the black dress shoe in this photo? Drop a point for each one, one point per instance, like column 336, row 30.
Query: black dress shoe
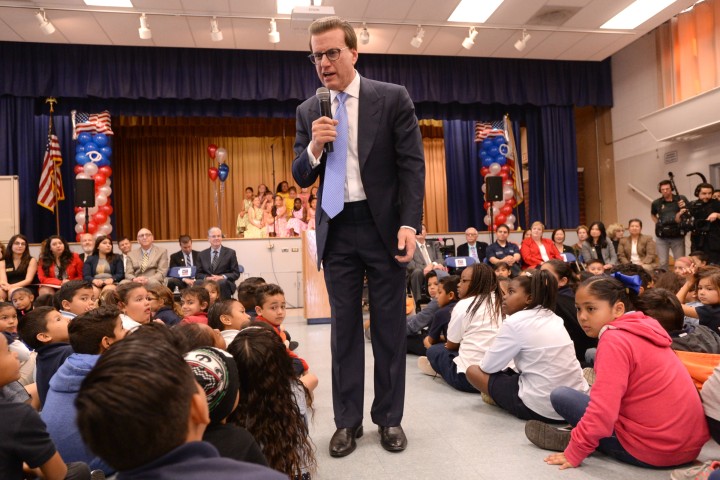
column 393, row 439
column 342, row 442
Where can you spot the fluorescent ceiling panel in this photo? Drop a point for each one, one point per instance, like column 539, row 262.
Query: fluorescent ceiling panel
column 285, row 7
column 109, row 3
column 636, row 14
column 474, row 11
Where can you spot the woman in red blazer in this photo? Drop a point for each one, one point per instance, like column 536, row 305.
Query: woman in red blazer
column 57, row 265
column 531, row 252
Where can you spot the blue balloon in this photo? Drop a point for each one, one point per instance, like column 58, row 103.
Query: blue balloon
column 487, row 144
column 483, row 154
column 500, row 159
column 100, row 139
column 81, row 158
column 499, row 140
column 84, row 138
column 223, row 171
column 104, row 162
column 106, row 152
column 79, row 148
column 487, row 161
column 493, row 151
column 91, row 147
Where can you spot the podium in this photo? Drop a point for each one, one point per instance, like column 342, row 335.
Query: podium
column 317, row 303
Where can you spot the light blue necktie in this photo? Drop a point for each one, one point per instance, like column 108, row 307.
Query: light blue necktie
column 333, row 199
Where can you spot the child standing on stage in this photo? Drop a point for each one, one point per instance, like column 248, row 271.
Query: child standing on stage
column 638, row 377
column 298, row 222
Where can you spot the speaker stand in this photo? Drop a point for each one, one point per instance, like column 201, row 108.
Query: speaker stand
column 87, row 219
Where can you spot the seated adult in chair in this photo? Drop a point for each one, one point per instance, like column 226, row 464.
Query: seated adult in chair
column 427, row 257
column 185, row 257
column 501, row 250
column 472, row 248
column 148, row 264
column 219, row 263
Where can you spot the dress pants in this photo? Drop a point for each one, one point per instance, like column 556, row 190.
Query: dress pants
column 354, row 249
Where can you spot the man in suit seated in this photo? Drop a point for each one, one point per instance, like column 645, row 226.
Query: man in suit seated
column 186, row 257
column 87, row 242
column 472, row 248
column 148, row 264
column 219, row 263
column 125, row 247
column 427, row 257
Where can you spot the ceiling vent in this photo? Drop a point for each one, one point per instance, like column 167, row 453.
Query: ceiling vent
column 551, row 16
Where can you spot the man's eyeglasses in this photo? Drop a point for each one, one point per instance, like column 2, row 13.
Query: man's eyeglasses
column 331, row 54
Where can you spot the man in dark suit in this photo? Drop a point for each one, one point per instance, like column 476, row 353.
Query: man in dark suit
column 369, row 208
column 185, row 257
column 87, row 242
column 219, row 263
column 427, row 257
column 472, row 248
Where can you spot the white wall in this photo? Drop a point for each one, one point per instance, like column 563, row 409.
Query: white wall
column 638, row 157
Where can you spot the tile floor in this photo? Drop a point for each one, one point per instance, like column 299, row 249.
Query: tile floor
column 451, row 434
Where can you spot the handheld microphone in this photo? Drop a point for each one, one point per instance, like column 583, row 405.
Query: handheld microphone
column 323, row 96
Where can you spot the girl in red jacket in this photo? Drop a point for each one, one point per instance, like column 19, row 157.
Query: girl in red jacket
column 643, row 408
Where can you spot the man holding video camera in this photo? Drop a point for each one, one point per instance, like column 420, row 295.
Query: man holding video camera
column 706, row 232
column 666, row 212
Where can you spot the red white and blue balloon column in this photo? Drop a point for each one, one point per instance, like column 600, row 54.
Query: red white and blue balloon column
column 92, row 154
column 222, row 171
column 493, row 154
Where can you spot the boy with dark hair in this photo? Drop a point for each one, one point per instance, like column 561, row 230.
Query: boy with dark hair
column 146, row 374
column 246, row 294
column 75, row 298
column 90, row 335
column 22, row 299
column 227, row 316
column 595, row 266
column 416, row 326
column 23, row 437
column 631, row 269
column 45, row 330
column 8, row 325
column 448, row 297
column 194, row 303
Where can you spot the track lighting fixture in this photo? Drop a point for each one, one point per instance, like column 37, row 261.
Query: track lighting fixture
column 470, row 39
column 364, row 35
column 45, row 25
column 215, row 32
column 273, row 34
column 418, row 38
column 144, row 31
column 522, row 43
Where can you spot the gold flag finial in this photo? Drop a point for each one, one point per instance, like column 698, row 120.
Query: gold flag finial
column 52, row 101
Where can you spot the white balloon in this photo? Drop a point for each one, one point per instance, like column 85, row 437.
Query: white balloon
column 483, row 188
column 82, row 176
column 499, row 204
column 92, row 211
column 495, row 168
column 510, row 219
column 80, row 218
column 495, row 211
column 108, row 182
column 105, row 190
column 79, row 228
column 105, row 229
column 220, row 155
column 100, row 200
column 511, row 226
column 90, row 168
column 508, row 192
column 487, row 220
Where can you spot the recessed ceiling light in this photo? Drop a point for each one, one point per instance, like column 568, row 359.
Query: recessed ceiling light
column 636, row 14
column 109, row 3
column 285, row 7
column 474, row 11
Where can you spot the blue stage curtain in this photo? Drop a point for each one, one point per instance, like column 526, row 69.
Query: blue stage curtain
column 108, row 72
column 23, row 137
column 464, row 194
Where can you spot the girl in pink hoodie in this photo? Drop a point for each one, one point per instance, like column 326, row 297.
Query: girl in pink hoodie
column 643, row 408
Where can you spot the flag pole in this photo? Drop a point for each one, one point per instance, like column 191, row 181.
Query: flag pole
column 52, row 101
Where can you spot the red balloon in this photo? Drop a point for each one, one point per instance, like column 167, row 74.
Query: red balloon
column 504, row 176
column 484, row 171
column 99, row 179
column 99, row 218
column 486, row 205
column 107, row 171
column 109, row 202
column 212, row 148
column 505, row 169
column 78, row 169
column 79, row 209
column 106, row 209
column 511, row 202
column 92, row 227
column 506, row 209
column 500, row 219
column 212, row 173
column 77, row 237
column 509, row 182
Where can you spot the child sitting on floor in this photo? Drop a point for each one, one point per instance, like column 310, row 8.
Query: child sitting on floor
column 228, row 316
column 75, row 298
column 163, row 306
column 213, row 289
column 194, row 303
column 417, row 323
column 447, row 297
column 22, row 299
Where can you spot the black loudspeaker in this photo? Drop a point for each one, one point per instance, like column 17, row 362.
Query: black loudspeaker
column 84, row 192
column 493, row 188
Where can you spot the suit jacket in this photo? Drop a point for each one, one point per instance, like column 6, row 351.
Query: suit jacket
column 608, row 253
column 157, row 265
column 417, row 261
column 645, row 250
column 390, row 154
column 464, row 250
column 116, row 268
column 227, row 264
column 177, row 259
column 531, row 255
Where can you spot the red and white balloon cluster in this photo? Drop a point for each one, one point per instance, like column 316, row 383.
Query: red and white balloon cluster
column 493, row 155
column 92, row 155
column 223, row 169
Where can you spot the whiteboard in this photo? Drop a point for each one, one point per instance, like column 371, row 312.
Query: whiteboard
column 10, row 213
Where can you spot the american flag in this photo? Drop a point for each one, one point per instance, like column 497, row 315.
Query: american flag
column 484, row 130
column 91, row 123
column 514, row 162
column 47, row 195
